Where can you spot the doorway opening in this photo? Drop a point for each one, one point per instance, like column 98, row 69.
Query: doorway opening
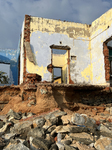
column 59, row 61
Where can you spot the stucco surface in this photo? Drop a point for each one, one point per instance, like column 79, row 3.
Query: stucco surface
column 85, row 42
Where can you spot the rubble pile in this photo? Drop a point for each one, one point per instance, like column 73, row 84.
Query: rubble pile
column 55, row 130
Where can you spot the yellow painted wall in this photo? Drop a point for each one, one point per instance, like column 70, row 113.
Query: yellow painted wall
column 35, row 68
column 58, row 60
column 71, row 29
column 101, row 24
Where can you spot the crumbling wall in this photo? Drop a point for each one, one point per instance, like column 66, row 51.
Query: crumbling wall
column 46, row 32
column 100, row 31
column 86, row 60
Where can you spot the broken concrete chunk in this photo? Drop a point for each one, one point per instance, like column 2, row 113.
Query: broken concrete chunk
column 60, row 146
column 103, row 143
column 82, row 137
column 18, row 146
column 40, row 143
column 83, row 120
column 13, row 114
column 38, row 122
column 36, row 132
column 104, row 131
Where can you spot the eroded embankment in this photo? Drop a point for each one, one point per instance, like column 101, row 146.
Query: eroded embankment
column 45, row 97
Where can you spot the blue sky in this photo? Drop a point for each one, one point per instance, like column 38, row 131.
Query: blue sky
column 12, row 14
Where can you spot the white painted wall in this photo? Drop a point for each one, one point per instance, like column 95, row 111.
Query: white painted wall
column 40, row 45
column 98, row 56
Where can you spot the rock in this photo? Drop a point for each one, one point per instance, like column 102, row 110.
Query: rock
column 2, row 143
column 36, row 132
column 82, row 137
column 40, row 143
column 83, row 120
column 69, row 129
column 78, row 119
column 103, row 143
column 47, row 125
column 59, row 113
column 54, row 147
column 53, row 116
column 110, row 110
column 60, row 146
column 62, row 129
column 104, row 131
column 52, row 119
column 29, row 114
column 77, row 129
column 50, row 129
column 3, row 118
column 18, row 146
column 1, row 124
column 107, row 109
column 83, row 147
column 38, row 122
column 66, row 141
column 49, row 138
column 13, row 120
column 69, row 147
column 66, row 119
column 22, row 128
column 8, row 136
column 4, row 128
column 16, row 141
column 13, row 114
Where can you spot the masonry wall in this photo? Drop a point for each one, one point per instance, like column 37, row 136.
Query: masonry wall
column 100, row 31
column 46, row 32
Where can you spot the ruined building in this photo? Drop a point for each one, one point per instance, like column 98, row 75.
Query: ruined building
column 66, row 52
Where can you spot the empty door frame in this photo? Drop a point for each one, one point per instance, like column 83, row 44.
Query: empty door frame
column 68, row 59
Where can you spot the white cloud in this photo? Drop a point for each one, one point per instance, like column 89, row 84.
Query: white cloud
column 12, row 14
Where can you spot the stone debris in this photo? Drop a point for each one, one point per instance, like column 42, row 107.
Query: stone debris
column 55, row 130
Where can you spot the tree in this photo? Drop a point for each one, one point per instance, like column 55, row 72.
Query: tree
column 3, row 78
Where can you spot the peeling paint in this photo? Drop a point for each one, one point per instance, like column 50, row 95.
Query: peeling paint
column 87, row 73
column 71, row 29
column 35, row 68
column 85, row 42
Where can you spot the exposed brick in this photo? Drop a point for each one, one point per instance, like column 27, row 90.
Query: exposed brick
column 107, row 62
